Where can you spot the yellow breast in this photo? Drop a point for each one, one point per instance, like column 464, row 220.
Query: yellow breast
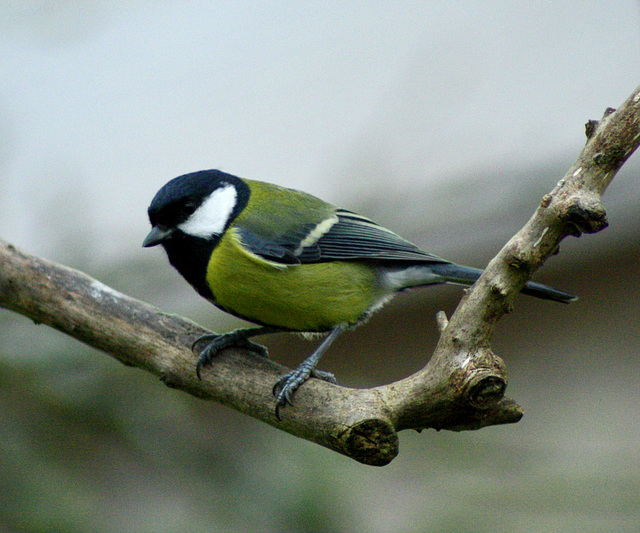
column 309, row 297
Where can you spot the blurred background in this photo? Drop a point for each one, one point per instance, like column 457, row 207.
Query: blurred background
column 445, row 122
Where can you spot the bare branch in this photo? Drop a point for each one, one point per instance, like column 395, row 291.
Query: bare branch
column 461, row 388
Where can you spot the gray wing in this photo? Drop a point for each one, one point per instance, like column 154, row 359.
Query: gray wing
column 350, row 237
column 357, row 237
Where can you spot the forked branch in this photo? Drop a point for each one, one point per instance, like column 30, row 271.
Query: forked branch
column 462, row 386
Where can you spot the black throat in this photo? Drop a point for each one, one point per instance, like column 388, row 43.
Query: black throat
column 190, row 256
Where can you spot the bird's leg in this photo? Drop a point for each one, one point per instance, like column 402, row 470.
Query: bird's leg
column 238, row 337
column 285, row 387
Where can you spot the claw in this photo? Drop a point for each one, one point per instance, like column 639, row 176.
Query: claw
column 208, row 353
column 324, row 376
column 202, row 338
column 285, row 387
column 199, row 367
column 288, row 384
column 255, row 347
column 238, row 338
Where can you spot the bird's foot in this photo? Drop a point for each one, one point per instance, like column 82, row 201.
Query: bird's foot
column 216, row 343
column 288, row 384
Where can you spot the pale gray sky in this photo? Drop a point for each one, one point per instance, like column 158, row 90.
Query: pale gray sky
column 102, row 102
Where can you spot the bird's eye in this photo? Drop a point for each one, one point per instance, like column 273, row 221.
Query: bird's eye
column 188, row 208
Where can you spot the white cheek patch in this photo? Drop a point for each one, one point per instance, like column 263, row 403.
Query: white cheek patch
column 212, row 215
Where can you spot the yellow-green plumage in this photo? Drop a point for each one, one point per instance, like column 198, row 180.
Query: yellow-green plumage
column 274, row 211
column 302, row 297
column 288, row 261
column 313, row 297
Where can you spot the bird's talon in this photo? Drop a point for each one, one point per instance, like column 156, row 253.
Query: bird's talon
column 221, row 342
column 279, row 385
column 287, row 385
column 255, row 347
column 207, row 337
column 283, row 398
column 324, row 376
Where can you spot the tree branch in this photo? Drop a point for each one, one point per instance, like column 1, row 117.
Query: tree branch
column 461, row 388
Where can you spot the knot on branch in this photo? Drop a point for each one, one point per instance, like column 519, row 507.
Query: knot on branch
column 480, row 385
column 500, row 288
column 584, row 214
column 484, row 388
column 480, row 381
column 517, row 258
column 590, row 128
column 371, row 442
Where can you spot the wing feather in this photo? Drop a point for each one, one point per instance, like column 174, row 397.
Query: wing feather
column 351, row 237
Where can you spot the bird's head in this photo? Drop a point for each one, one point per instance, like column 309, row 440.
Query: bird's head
column 199, row 205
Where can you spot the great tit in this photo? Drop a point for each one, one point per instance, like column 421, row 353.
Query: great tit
column 288, row 261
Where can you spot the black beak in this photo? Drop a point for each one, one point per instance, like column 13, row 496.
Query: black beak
column 156, row 236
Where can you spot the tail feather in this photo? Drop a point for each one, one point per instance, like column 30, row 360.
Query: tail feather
column 463, row 275
column 545, row 292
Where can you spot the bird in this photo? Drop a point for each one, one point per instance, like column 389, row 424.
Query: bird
column 288, row 261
